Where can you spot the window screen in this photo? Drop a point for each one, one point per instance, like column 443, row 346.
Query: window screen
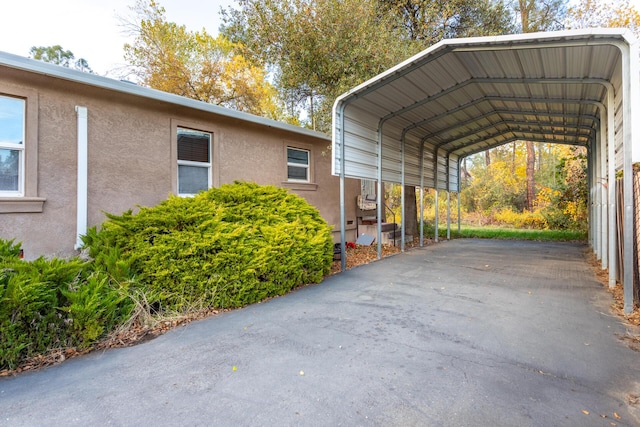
column 297, row 164
column 194, row 161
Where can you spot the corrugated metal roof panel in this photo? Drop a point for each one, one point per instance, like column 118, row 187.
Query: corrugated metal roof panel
column 464, row 95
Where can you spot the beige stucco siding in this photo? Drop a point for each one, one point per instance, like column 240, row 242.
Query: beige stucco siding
column 132, row 158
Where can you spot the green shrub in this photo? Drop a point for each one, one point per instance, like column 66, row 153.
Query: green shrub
column 46, row 304
column 227, row 247
column 526, row 219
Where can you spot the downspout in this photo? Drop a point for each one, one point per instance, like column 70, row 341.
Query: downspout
column 82, row 184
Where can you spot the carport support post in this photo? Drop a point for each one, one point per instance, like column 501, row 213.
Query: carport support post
column 458, row 210
column 611, row 149
column 603, row 194
column 421, row 193
column 459, row 187
column 448, row 199
column 435, row 186
column 402, row 210
column 380, row 192
column 448, row 215
column 421, row 214
column 598, row 199
column 591, row 180
column 435, row 234
column 343, row 218
column 631, row 105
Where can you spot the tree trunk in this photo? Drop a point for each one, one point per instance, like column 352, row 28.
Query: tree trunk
column 313, row 119
column 410, row 211
column 540, row 152
column 531, row 161
column 524, row 14
column 487, row 158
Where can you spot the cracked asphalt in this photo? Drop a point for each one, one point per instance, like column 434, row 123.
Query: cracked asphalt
column 463, row 333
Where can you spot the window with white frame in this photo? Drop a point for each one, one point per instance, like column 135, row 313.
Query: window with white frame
column 12, row 143
column 298, row 165
column 194, row 161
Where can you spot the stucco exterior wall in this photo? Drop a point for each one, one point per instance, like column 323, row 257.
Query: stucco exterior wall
column 132, row 159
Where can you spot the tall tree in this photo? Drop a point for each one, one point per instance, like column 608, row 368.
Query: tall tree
column 427, row 22
column 57, row 55
column 531, row 160
column 604, row 13
column 317, row 49
column 168, row 57
column 538, row 15
column 430, row 21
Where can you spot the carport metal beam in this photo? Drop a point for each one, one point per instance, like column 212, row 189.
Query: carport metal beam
column 576, row 39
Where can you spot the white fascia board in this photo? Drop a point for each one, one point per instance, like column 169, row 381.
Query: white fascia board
column 43, row 68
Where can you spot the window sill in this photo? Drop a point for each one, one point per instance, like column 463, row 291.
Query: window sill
column 300, row 186
column 21, row 204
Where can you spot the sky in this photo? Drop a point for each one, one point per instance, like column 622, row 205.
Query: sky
column 91, row 29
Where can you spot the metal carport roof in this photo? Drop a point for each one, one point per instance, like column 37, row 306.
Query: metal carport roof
column 414, row 123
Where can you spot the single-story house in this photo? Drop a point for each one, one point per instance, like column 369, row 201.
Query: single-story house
column 75, row 145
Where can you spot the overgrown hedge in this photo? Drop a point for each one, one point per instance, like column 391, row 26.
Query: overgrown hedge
column 227, row 247
column 47, row 304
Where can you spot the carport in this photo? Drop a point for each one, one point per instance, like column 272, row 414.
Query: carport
column 415, row 123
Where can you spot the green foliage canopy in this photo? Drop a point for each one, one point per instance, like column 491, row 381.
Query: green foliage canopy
column 317, row 48
column 430, row 21
column 168, row 57
column 57, row 55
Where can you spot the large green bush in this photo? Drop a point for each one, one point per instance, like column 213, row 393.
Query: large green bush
column 52, row 303
column 227, row 247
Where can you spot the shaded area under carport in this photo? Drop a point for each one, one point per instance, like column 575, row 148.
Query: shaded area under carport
column 465, row 332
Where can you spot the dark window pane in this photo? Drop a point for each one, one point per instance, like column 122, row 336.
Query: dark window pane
column 193, row 146
column 9, row 170
column 192, row 179
column 297, row 156
column 297, row 173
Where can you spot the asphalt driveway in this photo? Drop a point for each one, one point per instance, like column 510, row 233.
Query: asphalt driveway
column 463, row 333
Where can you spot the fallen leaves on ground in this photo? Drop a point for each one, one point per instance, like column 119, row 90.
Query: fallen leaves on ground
column 141, row 331
column 360, row 255
column 617, row 292
column 128, row 336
